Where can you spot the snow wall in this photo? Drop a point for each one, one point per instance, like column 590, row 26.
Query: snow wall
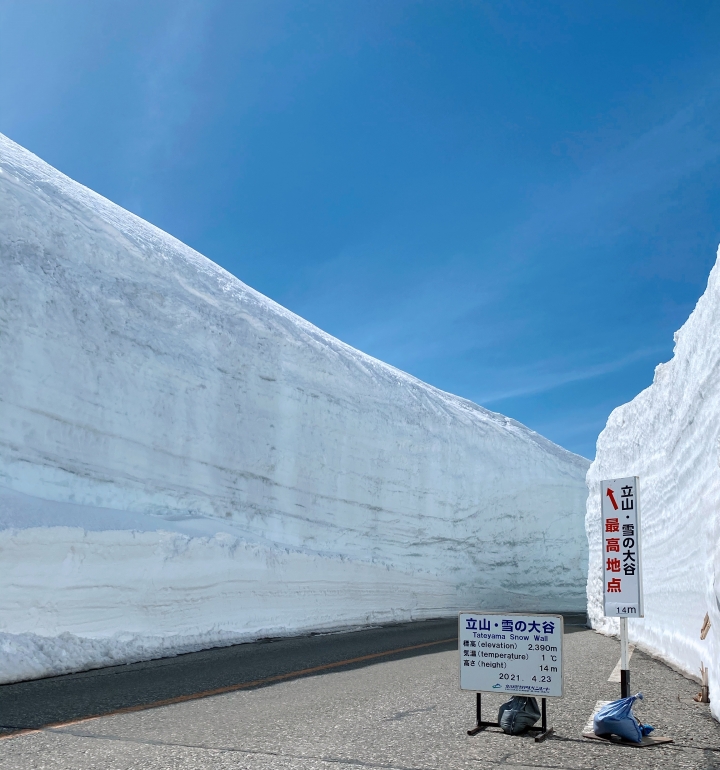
column 668, row 436
column 184, row 463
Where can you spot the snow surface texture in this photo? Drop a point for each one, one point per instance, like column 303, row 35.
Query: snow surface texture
column 668, row 436
column 185, row 463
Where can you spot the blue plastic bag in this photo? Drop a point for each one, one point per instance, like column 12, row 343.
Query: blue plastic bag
column 617, row 718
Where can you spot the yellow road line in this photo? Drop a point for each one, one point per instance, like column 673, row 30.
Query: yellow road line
column 228, row 688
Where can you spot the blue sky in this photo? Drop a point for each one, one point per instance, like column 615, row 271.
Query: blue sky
column 517, row 202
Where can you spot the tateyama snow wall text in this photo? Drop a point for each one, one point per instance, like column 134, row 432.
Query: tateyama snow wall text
column 668, row 436
column 186, row 463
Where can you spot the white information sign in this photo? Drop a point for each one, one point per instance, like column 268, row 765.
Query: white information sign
column 621, row 556
column 513, row 653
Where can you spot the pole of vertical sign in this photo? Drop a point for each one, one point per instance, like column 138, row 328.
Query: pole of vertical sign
column 621, row 560
column 624, row 671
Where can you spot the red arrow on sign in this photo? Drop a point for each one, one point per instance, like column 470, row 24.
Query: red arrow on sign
column 611, row 495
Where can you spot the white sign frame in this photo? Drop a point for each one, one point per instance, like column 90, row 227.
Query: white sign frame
column 621, row 548
column 507, row 664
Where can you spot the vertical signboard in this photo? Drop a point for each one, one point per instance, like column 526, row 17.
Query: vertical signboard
column 511, row 653
column 621, row 556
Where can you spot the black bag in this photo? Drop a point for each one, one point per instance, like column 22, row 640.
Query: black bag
column 518, row 714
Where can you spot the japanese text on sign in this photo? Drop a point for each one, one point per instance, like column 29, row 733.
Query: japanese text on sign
column 513, row 653
column 622, row 584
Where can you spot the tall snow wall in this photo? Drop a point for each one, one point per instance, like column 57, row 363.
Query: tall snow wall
column 668, row 436
column 185, row 463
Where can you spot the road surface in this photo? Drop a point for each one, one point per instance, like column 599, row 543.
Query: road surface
column 401, row 711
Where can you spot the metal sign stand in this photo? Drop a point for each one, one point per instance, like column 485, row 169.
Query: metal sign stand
column 545, row 731
column 515, row 654
column 479, row 724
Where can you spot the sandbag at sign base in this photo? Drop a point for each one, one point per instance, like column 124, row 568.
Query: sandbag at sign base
column 518, row 715
column 617, row 718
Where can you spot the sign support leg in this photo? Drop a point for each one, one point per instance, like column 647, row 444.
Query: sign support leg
column 479, row 724
column 546, row 731
column 624, row 671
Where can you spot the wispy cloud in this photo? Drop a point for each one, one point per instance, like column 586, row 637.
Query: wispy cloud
column 544, row 376
column 428, row 319
column 601, row 201
column 476, row 301
column 170, row 96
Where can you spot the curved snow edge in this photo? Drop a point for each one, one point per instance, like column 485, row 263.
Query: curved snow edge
column 668, row 436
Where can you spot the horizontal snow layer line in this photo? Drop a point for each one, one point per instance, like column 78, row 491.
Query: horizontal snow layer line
column 20, row 511
column 146, row 378
column 74, row 600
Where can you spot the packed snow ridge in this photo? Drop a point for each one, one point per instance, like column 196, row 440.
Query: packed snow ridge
column 668, row 436
column 185, row 463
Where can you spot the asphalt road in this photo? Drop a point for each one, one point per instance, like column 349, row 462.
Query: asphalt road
column 53, row 700
column 398, row 712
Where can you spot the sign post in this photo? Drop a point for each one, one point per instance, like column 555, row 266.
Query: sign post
column 512, row 653
column 621, row 557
